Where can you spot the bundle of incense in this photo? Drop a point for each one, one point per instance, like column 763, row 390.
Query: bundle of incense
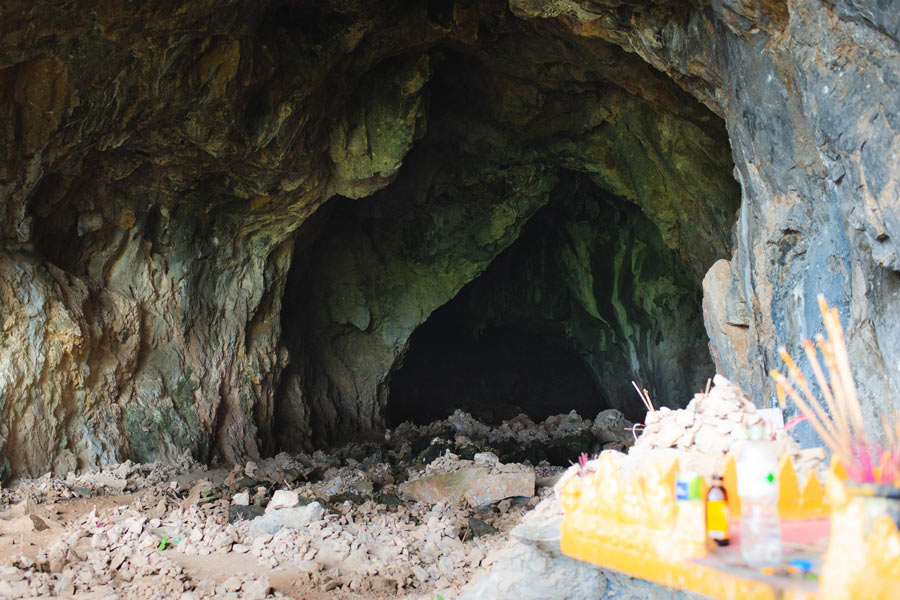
column 645, row 397
column 841, row 426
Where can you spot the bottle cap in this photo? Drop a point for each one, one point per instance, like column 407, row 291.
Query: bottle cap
column 756, row 433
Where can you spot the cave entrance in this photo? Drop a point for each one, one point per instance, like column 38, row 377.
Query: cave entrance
column 588, row 299
column 494, row 374
column 540, row 245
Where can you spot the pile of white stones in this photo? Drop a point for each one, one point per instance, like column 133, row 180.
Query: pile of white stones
column 711, row 422
column 711, row 425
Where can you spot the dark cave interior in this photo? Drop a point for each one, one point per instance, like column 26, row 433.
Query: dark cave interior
column 494, row 375
column 530, row 255
column 538, row 332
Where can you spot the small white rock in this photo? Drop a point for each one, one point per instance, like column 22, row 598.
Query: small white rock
column 685, row 418
column 232, row 584
column 256, row 590
column 485, row 458
column 420, row 573
column 283, row 499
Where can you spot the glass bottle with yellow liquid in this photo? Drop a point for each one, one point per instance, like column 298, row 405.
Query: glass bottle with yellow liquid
column 717, row 514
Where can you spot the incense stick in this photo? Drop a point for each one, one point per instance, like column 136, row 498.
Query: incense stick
column 842, row 426
column 839, row 346
column 810, row 416
column 797, row 375
column 810, row 351
column 840, row 415
column 645, row 400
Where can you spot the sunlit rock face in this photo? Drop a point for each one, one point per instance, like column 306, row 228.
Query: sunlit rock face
column 221, row 223
column 807, row 90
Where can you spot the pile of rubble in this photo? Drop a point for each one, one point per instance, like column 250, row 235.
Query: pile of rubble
column 557, row 440
column 400, row 518
column 129, row 476
column 431, row 510
column 146, row 549
column 714, row 423
column 608, row 427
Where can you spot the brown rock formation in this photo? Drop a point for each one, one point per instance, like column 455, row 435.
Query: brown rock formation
column 223, row 219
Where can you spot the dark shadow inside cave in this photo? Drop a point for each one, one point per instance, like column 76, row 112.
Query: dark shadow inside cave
column 494, row 375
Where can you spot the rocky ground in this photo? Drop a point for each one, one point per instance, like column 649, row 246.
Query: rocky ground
column 417, row 515
column 454, row 509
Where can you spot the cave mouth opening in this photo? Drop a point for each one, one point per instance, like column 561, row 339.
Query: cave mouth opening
column 587, row 299
column 539, row 247
column 494, row 375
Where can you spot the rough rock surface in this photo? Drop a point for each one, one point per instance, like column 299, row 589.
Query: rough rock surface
column 221, row 222
column 533, row 568
column 818, row 216
column 807, row 90
column 530, row 566
column 478, row 485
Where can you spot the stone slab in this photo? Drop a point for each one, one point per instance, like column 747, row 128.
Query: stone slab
column 477, row 485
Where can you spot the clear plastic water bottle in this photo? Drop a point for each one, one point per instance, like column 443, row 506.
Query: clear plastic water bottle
column 757, row 488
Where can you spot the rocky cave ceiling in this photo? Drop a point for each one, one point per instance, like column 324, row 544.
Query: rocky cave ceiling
column 231, row 228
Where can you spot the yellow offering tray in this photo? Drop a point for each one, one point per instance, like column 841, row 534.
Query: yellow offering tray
column 627, row 524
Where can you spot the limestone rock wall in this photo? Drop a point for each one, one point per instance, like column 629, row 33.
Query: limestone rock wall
column 155, row 159
column 377, row 272
column 808, row 91
column 818, row 218
column 167, row 171
column 489, row 159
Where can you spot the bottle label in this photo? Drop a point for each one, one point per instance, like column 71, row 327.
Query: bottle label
column 688, row 486
column 717, row 520
column 756, row 480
